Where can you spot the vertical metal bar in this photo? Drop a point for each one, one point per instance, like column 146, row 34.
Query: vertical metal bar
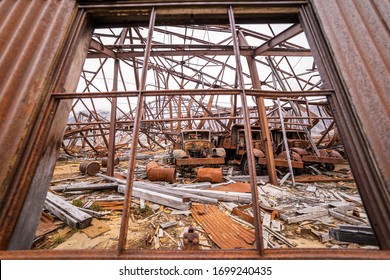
column 265, row 134
column 286, row 143
column 111, row 139
column 114, row 102
column 137, row 121
column 248, row 135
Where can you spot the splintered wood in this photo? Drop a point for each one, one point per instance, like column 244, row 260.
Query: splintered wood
column 224, row 231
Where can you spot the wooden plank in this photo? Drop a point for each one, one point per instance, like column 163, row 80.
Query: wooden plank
column 239, row 213
column 176, row 193
column 168, row 224
column 70, row 214
column 178, row 212
column 305, row 217
column 345, row 218
column 83, row 187
column 203, row 185
column 109, row 205
column 159, row 198
column 221, row 196
column 337, row 195
column 280, row 237
column 275, row 225
column 97, row 228
column 341, row 206
column 267, row 220
column 68, row 179
column 352, row 198
column 308, row 210
column 323, row 179
column 155, row 187
column 245, row 178
column 94, row 214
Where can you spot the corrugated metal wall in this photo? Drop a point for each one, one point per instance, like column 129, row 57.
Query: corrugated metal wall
column 32, row 35
column 358, row 33
column 358, row 36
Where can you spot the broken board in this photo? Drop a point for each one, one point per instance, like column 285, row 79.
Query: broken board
column 67, row 212
column 97, row 228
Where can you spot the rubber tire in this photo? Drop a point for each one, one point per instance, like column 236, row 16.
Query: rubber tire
column 244, row 167
column 329, row 166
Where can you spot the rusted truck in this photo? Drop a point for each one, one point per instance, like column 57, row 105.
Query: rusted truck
column 196, row 148
column 300, row 150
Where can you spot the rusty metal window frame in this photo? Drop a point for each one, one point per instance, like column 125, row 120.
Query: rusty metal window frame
column 305, row 12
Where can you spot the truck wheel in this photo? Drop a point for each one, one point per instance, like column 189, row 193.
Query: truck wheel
column 245, row 167
column 329, row 166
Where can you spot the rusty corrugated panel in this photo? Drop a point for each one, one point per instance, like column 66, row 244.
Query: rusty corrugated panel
column 357, row 34
column 235, row 187
column 32, row 37
column 224, row 231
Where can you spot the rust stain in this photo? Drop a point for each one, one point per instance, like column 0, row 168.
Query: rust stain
column 235, row 187
column 224, row 231
column 213, row 175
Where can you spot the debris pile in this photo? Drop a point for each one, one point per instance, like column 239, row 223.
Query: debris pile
column 185, row 214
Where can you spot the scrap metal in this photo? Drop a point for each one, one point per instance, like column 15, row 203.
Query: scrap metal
column 224, row 231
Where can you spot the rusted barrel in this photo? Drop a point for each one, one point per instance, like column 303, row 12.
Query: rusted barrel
column 89, row 167
column 156, row 173
column 151, row 165
column 213, row 175
column 105, row 162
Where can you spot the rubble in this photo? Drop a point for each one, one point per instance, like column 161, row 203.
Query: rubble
column 220, row 214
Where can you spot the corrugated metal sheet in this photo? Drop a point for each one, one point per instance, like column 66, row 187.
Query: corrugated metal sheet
column 224, row 231
column 357, row 33
column 31, row 36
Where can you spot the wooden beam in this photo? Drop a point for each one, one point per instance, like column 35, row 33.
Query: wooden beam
column 220, row 195
column 156, row 197
column 83, row 187
column 68, row 213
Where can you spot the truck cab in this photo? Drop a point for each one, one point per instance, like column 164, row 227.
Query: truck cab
column 196, row 148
